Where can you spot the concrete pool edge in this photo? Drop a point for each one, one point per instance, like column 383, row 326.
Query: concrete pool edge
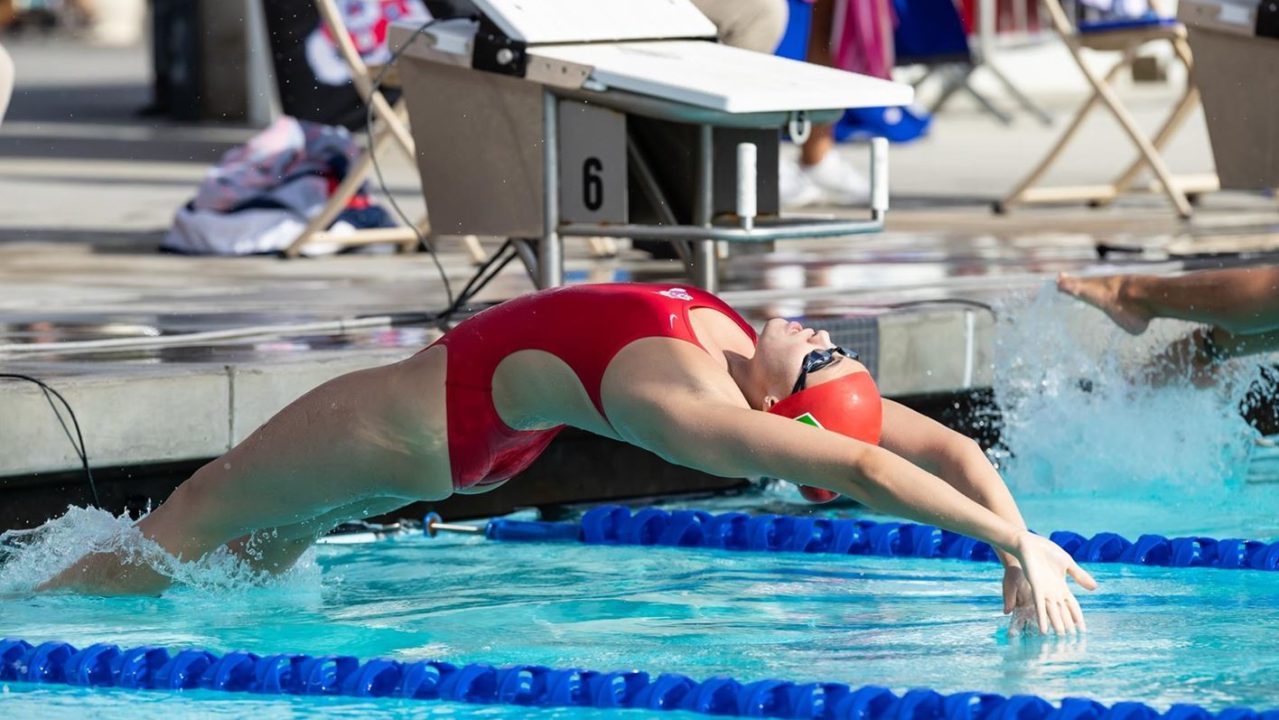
column 148, row 413
column 150, row 422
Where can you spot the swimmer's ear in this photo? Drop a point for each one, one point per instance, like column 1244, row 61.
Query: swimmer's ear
column 769, row 402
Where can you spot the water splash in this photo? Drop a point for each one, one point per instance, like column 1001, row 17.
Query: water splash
column 28, row 558
column 1080, row 416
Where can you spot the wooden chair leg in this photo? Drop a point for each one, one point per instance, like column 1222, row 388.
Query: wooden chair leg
column 345, row 190
column 423, row 231
column 473, row 246
column 1189, row 100
column 342, row 194
column 1148, row 151
column 602, row 247
column 1016, row 195
column 391, row 121
column 1179, row 115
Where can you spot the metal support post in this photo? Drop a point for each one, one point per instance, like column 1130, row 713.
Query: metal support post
column 550, row 260
column 705, row 262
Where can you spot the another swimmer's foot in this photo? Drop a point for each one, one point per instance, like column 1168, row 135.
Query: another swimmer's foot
column 1106, row 294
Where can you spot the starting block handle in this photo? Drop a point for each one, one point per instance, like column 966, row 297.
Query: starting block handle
column 746, row 183
column 879, row 177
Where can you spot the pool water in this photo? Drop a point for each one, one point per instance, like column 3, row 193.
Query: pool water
column 1117, row 457
column 1156, row 635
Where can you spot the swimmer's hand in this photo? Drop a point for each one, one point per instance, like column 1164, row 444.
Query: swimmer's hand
column 1019, row 600
column 1017, row 591
column 1045, row 567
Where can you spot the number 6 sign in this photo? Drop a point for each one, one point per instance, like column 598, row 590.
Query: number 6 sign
column 592, row 164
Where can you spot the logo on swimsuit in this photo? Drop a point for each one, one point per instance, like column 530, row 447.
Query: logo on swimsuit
column 808, row 419
column 676, row 294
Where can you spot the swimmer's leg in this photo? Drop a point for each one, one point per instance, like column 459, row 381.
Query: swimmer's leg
column 1110, row 295
column 1240, row 300
column 369, row 434
column 276, row 549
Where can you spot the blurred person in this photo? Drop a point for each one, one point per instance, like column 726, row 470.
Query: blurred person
column 756, row 25
column 852, row 35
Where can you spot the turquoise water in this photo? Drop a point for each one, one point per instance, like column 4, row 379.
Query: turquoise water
column 1118, row 457
column 1156, row 635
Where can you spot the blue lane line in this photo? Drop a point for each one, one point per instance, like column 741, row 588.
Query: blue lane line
column 156, row 668
column 617, row 525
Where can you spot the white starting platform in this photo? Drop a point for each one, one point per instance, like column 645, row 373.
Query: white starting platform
column 541, row 119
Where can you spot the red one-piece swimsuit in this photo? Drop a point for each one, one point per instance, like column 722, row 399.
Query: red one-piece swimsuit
column 585, row 326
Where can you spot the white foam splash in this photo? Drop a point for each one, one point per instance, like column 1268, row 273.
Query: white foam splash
column 1079, row 417
column 28, row 558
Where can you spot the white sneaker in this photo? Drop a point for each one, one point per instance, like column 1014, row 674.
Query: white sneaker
column 795, row 188
column 839, row 182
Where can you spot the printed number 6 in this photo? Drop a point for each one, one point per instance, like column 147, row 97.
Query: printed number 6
column 592, row 184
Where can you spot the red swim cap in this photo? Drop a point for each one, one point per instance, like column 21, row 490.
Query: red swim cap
column 849, row 406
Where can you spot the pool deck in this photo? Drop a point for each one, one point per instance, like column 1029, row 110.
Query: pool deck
column 86, row 199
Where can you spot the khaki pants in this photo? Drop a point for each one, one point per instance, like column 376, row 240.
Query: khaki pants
column 6, row 81
column 749, row 24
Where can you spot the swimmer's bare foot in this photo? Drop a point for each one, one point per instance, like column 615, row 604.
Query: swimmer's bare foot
column 1107, row 294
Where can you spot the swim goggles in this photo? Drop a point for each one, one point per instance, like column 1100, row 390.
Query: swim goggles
column 818, row 359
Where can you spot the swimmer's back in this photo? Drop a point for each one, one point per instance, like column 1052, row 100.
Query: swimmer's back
column 584, row 325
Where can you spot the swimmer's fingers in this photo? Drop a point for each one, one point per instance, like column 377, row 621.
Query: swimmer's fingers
column 1016, row 589
column 1067, row 619
column 1053, row 608
column 1041, row 614
column 1081, row 576
column 1020, row 621
column 1077, row 613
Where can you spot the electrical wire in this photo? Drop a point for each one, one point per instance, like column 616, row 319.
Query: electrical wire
column 491, row 267
column 487, row 271
column 80, row 450
column 377, row 168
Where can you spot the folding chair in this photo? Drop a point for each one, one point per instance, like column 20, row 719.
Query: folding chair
column 932, row 33
column 1126, row 37
column 389, row 125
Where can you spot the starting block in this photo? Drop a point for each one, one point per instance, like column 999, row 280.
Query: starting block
column 542, row 119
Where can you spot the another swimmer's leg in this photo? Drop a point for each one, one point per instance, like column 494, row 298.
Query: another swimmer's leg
column 1241, row 300
column 1111, row 295
column 372, row 433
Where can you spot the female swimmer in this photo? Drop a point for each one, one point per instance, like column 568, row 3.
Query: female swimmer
column 669, row 369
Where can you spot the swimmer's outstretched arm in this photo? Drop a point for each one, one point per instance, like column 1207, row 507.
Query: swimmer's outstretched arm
column 957, row 459
column 733, row 441
column 953, row 456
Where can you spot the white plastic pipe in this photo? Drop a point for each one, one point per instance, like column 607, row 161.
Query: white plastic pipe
column 879, row 176
column 746, row 180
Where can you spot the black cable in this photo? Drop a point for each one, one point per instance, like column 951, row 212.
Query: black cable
column 479, row 280
column 489, row 270
column 368, row 132
column 483, row 277
column 80, row 449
